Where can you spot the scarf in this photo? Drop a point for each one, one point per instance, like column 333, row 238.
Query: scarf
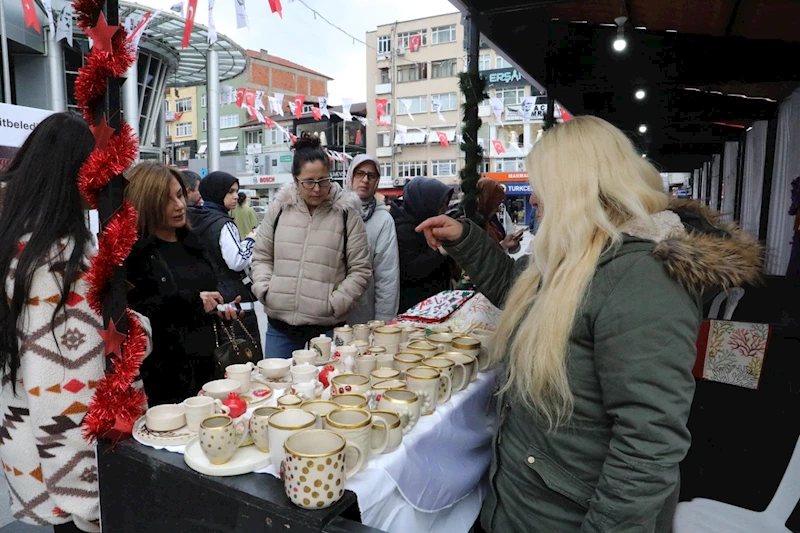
column 368, row 208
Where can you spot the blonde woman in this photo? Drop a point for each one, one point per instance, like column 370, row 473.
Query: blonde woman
column 597, row 337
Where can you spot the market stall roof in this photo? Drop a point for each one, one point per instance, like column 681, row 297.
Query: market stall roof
column 708, row 69
column 164, row 34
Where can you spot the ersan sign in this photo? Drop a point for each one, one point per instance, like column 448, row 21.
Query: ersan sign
column 504, row 77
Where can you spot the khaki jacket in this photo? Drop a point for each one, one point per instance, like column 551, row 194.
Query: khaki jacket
column 299, row 271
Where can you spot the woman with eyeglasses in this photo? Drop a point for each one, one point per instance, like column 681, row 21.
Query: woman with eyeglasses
column 311, row 258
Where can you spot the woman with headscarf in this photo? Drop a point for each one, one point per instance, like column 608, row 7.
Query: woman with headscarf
column 230, row 256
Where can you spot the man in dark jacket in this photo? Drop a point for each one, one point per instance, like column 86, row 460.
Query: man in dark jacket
column 423, row 271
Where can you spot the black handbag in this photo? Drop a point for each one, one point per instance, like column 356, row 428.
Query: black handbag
column 234, row 350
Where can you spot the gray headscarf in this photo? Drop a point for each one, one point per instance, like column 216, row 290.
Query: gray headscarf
column 367, row 206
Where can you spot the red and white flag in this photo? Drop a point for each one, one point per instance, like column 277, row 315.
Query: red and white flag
column 240, row 96
column 269, row 122
column 275, row 6
column 415, row 42
column 380, row 106
column 498, row 147
column 187, row 29
column 317, row 112
column 298, row 105
column 136, row 35
column 442, row 138
column 566, row 116
column 30, row 15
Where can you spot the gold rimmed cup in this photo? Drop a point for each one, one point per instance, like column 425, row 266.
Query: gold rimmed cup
column 351, row 401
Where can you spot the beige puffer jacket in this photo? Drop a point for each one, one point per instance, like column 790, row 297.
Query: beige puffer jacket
column 299, row 273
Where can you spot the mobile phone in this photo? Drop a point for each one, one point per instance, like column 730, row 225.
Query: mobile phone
column 243, row 306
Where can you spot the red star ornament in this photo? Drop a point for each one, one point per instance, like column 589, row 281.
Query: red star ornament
column 112, row 338
column 102, row 134
column 102, row 33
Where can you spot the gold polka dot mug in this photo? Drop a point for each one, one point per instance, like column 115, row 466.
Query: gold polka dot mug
column 259, row 427
column 314, row 468
column 220, row 437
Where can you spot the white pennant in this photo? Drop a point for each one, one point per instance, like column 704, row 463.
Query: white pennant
column 363, row 120
column 49, row 9
column 212, row 27
column 497, row 107
column 402, row 132
column 177, row 8
column 279, row 103
column 241, row 14
column 407, row 105
column 228, row 95
column 323, row 106
column 436, row 107
column 292, row 107
column 64, row 25
column 346, row 104
column 527, row 108
column 259, row 98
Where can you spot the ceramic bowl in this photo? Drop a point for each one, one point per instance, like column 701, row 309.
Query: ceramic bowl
column 274, row 368
column 220, row 388
column 167, row 417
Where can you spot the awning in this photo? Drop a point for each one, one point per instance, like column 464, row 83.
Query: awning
column 228, row 146
column 392, row 193
column 434, row 137
column 202, row 149
column 412, row 137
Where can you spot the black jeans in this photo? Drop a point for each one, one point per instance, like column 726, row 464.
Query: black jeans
column 69, row 527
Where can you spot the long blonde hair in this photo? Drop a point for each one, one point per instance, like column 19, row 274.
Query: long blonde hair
column 591, row 181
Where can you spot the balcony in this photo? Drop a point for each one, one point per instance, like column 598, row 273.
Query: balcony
column 383, row 151
column 383, row 88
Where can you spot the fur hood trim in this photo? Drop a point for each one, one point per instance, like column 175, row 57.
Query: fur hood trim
column 710, row 254
column 338, row 198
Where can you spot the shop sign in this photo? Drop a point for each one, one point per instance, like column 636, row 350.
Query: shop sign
column 266, row 179
column 286, row 159
column 506, row 176
column 504, row 77
column 517, row 189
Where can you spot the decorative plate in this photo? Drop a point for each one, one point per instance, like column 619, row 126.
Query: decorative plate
column 244, row 460
column 257, row 395
column 274, row 384
column 148, row 437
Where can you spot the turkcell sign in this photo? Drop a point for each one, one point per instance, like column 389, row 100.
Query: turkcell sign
column 504, row 77
column 517, row 188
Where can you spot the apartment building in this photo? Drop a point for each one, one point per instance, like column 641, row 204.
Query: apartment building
column 182, row 117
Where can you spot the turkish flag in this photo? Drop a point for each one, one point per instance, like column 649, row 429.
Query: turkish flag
column 187, row 30
column 442, row 138
column 239, row 97
column 269, row 122
column 30, row 15
column 292, row 136
column 298, row 105
column 498, row 147
column 380, row 107
column 250, row 97
column 566, row 116
column 317, row 112
column 275, row 6
column 415, row 42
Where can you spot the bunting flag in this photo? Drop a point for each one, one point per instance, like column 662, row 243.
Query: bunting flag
column 407, row 106
column 275, row 6
column 292, row 107
column 380, row 106
column 278, row 104
column 64, row 25
column 31, row 20
column 346, row 104
column 241, row 14
column 250, row 102
column 402, row 132
column 358, row 137
column 498, row 147
column 497, row 107
column 363, row 120
column 415, row 42
column 240, row 96
column 299, row 100
column 436, row 106
column 317, row 112
column 212, row 27
column 323, row 106
column 527, row 108
column 260, row 101
column 136, row 35
column 49, row 10
column 227, row 95
column 269, row 122
column 291, row 135
column 442, row 138
column 177, row 8
column 566, row 116
column 187, row 29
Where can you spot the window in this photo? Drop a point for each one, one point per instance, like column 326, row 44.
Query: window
column 183, row 104
column 253, row 137
column 412, row 73
column 403, row 38
column 509, row 165
column 484, row 62
column 273, row 137
column 443, row 34
column 511, row 96
column 384, row 139
column 445, row 68
column 449, row 101
column 183, row 130
column 411, row 169
column 500, row 62
column 307, row 108
column 384, row 44
column 205, row 124
column 229, row 121
column 386, row 76
column 168, row 130
column 386, row 170
column 166, row 105
column 485, row 166
column 203, row 100
column 444, row 167
column 419, row 104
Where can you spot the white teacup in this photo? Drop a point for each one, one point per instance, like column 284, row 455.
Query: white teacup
column 304, row 356
column 386, row 335
column 382, row 374
column 424, row 379
column 361, row 345
column 374, row 324
column 347, row 357
column 355, row 425
column 407, row 404
column 394, row 426
column 322, row 345
column 241, row 373
column 342, row 335
column 308, row 390
column 487, row 339
column 290, row 401
column 320, row 407
column 304, row 372
column 467, row 345
column 350, row 383
column 274, row 368
column 406, row 360
column 165, row 417
column 351, row 401
column 284, row 424
column 259, row 427
column 361, row 332
column 405, row 332
column 456, row 371
column 470, row 363
column 445, row 340
column 220, row 437
column 220, row 388
column 366, row 364
column 425, row 348
column 198, row 408
column 390, row 349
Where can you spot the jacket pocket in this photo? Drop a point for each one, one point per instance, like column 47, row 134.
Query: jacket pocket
column 559, row 479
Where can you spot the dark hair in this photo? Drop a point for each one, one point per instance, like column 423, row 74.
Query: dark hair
column 242, row 198
column 191, row 179
column 308, row 149
column 41, row 197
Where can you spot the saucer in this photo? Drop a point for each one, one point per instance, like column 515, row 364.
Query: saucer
column 244, row 460
column 257, row 395
column 282, row 383
column 326, row 363
column 148, row 437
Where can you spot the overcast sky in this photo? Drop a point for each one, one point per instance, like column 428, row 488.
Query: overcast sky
column 313, row 43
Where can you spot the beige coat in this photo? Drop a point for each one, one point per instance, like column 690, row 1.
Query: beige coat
column 299, row 273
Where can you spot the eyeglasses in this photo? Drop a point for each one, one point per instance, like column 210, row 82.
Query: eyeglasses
column 323, row 183
column 371, row 176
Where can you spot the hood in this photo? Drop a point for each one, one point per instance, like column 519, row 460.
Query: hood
column 423, row 198
column 338, row 198
column 491, row 196
column 700, row 251
column 357, row 160
column 215, row 186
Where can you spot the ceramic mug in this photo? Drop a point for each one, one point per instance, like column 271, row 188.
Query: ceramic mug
column 290, row 401
column 455, row 371
column 315, row 467
column 470, row 363
column 376, row 350
column 405, row 332
column 304, row 356
column 406, row 360
column 467, row 345
column 373, row 324
column 429, row 380
column 220, row 437
column 322, row 345
column 321, row 408
column 362, row 346
column 351, row 401
column 440, row 328
column 342, row 335
column 365, row 364
column 394, row 426
column 350, row 383
column 347, row 357
column 487, row 338
column 198, row 408
column 259, row 427
column 389, row 349
column 361, row 332
column 304, row 372
column 283, row 425
column 381, row 387
column 308, row 390
column 355, row 425
column 445, row 340
column 424, row 348
column 382, row 374
column 407, row 404
column 386, row 335
column 241, row 373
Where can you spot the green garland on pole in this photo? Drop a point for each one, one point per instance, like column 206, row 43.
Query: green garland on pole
column 473, row 86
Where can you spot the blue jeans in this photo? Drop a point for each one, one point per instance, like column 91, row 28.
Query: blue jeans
column 280, row 345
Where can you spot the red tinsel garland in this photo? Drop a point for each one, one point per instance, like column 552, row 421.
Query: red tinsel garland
column 116, row 402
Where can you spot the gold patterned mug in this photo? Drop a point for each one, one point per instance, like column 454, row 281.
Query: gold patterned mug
column 456, row 371
column 220, row 437
column 429, row 380
column 349, row 384
column 407, row 404
column 259, row 427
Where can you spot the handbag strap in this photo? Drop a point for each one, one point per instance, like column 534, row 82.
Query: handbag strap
column 733, row 296
column 246, row 331
column 229, row 334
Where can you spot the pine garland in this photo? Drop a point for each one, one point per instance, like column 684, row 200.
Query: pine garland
column 473, row 86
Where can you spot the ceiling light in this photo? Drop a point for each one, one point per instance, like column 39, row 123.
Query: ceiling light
column 620, row 43
column 642, row 128
column 640, row 94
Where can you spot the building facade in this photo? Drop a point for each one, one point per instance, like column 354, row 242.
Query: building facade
column 182, row 124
